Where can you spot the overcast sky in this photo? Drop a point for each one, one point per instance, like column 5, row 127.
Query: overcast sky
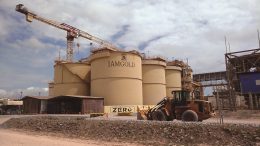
column 175, row 29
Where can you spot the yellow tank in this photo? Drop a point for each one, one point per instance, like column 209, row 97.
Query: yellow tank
column 154, row 86
column 116, row 76
column 173, row 79
column 71, row 78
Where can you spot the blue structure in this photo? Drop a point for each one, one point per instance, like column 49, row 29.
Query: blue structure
column 250, row 82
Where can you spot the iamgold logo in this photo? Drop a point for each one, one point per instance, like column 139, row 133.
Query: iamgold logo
column 123, row 58
column 121, row 63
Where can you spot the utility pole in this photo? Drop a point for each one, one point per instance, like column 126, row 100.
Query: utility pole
column 258, row 38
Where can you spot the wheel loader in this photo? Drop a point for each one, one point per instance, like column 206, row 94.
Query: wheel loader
column 181, row 107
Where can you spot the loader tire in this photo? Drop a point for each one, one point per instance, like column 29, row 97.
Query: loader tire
column 189, row 116
column 159, row 115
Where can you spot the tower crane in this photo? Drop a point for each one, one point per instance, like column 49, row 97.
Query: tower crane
column 72, row 32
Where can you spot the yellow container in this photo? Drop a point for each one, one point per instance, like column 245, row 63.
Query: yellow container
column 173, row 79
column 154, row 86
column 116, row 76
column 71, row 79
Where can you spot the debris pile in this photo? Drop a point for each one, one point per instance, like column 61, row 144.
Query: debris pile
column 142, row 132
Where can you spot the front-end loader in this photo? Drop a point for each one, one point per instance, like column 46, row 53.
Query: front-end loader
column 181, row 107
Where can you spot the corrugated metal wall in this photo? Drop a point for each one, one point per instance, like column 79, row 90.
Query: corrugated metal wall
column 31, row 106
column 64, row 105
column 92, row 106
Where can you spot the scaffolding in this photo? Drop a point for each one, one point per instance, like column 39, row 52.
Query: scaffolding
column 237, row 63
column 218, row 82
column 227, row 83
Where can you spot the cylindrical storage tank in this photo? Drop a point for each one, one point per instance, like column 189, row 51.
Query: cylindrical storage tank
column 154, row 86
column 116, row 76
column 71, row 79
column 173, row 79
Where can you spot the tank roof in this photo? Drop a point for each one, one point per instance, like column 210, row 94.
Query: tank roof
column 176, row 63
column 159, row 58
column 154, row 62
column 65, row 62
column 78, row 96
column 70, row 96
column 95, row 50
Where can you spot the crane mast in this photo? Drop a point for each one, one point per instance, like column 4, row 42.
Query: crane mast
column 72, row 32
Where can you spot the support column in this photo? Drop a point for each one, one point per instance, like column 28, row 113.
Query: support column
column 250, row 101
column 256, row 102
column 221, row 121
column 217, row 102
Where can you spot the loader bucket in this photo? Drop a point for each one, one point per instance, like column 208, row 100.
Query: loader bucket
column 141, row 114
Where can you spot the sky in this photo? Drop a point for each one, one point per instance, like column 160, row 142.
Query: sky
column 174, row 29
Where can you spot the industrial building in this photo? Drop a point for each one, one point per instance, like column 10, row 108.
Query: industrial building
column 35, row 104
column 69, row 104
column 75, row 105
column 10, row 106
column 125, row 79
column 240, row 81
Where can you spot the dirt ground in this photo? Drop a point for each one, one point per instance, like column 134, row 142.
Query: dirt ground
column 239, row 128
column 18, row 138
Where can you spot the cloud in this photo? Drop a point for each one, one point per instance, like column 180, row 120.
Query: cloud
column 2, row 92
column 18, row 93
column 176, row 29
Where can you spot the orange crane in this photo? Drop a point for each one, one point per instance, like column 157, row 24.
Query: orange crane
column 72, row 32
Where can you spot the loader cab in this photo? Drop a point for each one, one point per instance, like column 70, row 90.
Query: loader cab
column 196, row 94
column 181, row 97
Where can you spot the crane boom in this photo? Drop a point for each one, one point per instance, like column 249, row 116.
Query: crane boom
column 72, row 32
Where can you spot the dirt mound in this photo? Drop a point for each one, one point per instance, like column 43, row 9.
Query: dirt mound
column 144, row 132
